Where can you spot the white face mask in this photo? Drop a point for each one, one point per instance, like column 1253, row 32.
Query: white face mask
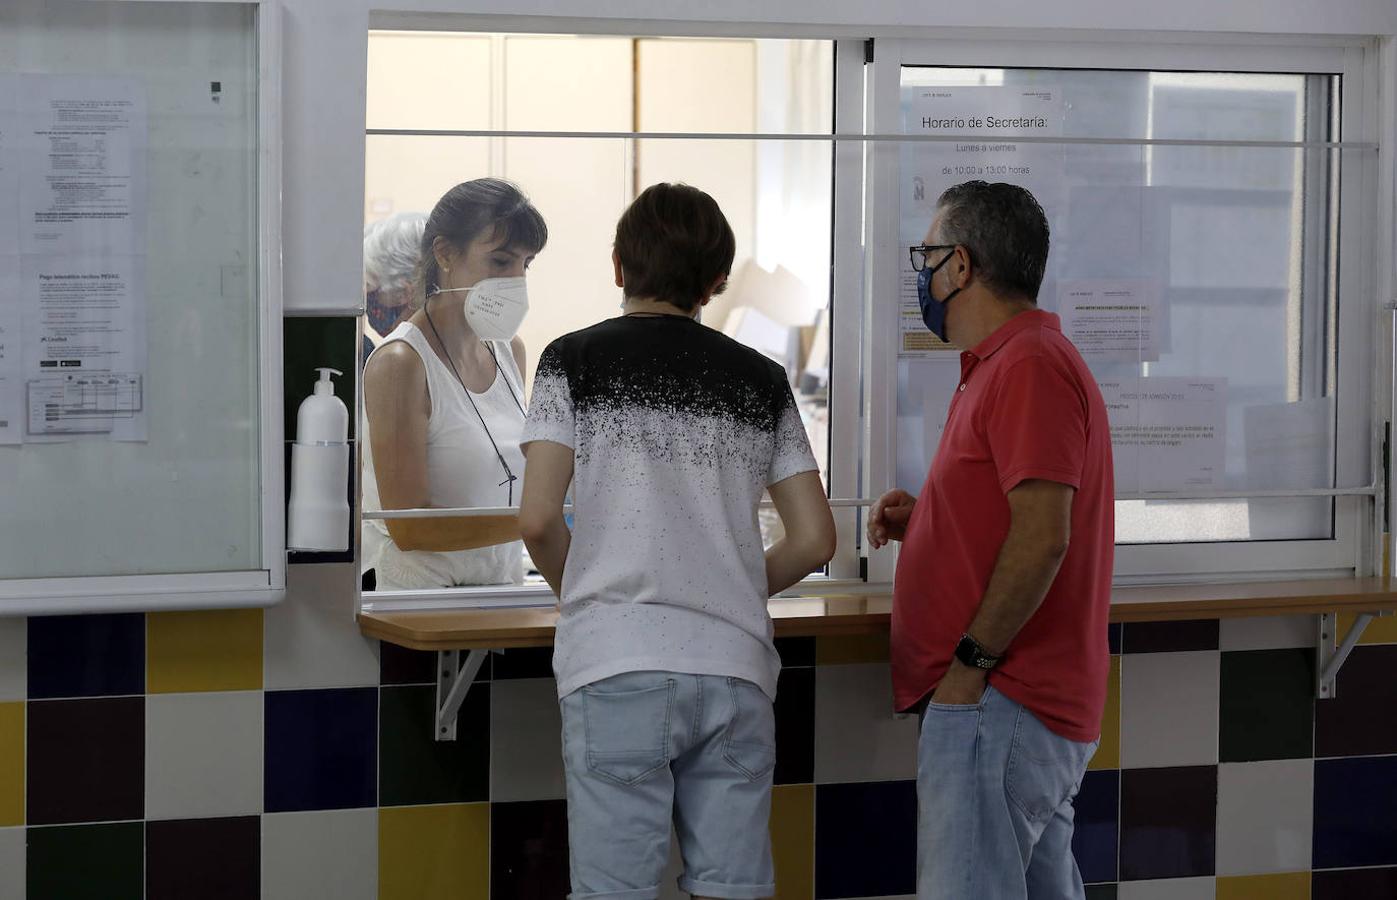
column 495, row 307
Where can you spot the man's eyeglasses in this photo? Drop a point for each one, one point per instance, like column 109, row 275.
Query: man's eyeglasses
column 919, row 255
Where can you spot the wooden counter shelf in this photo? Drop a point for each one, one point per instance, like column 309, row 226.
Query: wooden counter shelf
column 477, row 631
column 503, row 629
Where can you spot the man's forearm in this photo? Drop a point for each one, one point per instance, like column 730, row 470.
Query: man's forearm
column 549, row 551
column 1024, row 572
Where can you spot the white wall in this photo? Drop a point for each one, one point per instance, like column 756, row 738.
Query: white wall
column 324, row 64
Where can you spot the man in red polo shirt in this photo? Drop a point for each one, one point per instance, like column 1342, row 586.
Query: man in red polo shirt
column 1003, row 584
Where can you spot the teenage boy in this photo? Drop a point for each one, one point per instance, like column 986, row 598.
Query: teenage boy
column 670, row 433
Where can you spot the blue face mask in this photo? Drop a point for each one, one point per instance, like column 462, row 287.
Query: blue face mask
column 933, row 310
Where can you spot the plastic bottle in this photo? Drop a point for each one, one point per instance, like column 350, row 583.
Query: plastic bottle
column 319, row 509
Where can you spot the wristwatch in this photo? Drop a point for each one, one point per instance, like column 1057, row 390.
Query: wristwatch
column 969, row 652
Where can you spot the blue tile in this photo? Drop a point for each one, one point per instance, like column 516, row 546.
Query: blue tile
column 321, row 749
column 1113, row 636
column 1354, row 802
column 1168, row 822
column 865, row 839
column 87, row 656
column 1096, row 839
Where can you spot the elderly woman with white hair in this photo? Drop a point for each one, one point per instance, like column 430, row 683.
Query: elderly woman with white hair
column 392, row 250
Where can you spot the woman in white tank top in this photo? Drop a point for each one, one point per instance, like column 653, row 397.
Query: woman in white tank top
column 444, row 398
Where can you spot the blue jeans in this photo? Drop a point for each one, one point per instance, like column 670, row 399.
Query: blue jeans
column 644, row 749
column 994, row 791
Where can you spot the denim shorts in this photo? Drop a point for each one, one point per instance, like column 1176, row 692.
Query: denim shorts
column 649, row 751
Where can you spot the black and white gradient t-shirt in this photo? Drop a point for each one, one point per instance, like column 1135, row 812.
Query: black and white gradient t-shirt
column 676, row 430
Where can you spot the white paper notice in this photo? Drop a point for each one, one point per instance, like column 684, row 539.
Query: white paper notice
column 988, row 118
column 924, row 401
column 82, row 184
column 1290, row 445
column 1112, row 321
column 85, row 347
column 1168, row 434
column 72, row 245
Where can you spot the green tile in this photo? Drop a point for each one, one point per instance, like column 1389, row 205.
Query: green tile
column 1268, row 705
column 86, row 862
column 414, row 768
column 312, row 342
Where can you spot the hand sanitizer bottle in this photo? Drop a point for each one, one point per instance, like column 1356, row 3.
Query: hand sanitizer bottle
column 319, row 511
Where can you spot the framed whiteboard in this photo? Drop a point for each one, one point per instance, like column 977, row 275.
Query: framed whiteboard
column 140, row 306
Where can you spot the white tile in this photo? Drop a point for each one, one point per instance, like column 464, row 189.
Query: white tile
column 1169, row 709
column 1268, row 633
column 857, row 736
column 11, row 862
column 312, row 638
column 203, row 755
column 14, row 658
column 526, row 749
column 1265, row 817
column 320, row 855
column 1168, row 889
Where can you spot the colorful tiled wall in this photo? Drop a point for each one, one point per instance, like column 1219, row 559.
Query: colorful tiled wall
column 279, row 754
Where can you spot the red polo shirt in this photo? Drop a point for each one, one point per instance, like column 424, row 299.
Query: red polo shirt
column 1026, row 408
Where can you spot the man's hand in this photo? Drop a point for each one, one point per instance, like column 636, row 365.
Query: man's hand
column 887, row 520
column 962, row 686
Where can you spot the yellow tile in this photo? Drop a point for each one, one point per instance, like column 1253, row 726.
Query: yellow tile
column 1108, row 755
column 213, row 650
column 11, row 764
column 873, row 648
column 1286, row 886
column 793, row 840
column 1382, row 630
column 434, row 851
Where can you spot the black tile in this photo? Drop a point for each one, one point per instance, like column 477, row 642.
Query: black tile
column 525, row 662
column 311, row 342
column 85, row 862
column 1346, row 724
column 321, row 749
column 1168, row 822
column 414, row 767
column 87, row 656
column 795, row 727
column 1267, row 705
column 86, row 760
column 1113, row 636
column 1170, row 637
column 1353, row 884
column 1096, row 838
column 796, row 651
column 399, row 665
column 1354, row 823
column 529, row 850
column 211, row 859
column 1101, row 892
column 865, row 839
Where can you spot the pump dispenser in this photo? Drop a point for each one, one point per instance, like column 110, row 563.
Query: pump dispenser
column 319, row 513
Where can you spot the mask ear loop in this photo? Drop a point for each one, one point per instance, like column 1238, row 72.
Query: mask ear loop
column 510, row 477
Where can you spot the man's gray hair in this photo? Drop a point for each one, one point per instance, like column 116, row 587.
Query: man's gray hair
column 1005, row 231
column 392, row 248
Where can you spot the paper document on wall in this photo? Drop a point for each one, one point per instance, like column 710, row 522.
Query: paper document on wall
column 1290, row 445
column 1112, row 320
column 72, row 244
column 986, row 120
column 926, row 387
column 1168, row 434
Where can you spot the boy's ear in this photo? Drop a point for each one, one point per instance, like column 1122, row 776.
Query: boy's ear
column 616, row 264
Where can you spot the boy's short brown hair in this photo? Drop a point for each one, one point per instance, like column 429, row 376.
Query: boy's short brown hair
column 674, row 244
